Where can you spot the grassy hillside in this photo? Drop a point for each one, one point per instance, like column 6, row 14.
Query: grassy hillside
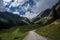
column 16, row 33
column 51, row 31
column 12, row 34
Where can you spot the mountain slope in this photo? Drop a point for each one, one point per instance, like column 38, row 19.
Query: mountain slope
column 9, row 19
column 41, row 15
column 52, row 30
column 48, row 16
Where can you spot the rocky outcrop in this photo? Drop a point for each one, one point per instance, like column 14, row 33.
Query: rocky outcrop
column 55, row 11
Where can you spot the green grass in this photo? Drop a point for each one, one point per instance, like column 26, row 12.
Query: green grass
column 51, row 31
column 12, row 34
column 17, row 33
column 44, row 20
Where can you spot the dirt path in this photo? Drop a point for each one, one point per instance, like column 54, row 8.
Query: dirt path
column 34, row 36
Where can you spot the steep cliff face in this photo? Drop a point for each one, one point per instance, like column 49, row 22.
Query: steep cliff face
column 56, row 10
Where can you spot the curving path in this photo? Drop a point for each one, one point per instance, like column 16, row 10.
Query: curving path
column 34, row 36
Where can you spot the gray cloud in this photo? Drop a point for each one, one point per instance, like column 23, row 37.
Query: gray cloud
column 40, row 6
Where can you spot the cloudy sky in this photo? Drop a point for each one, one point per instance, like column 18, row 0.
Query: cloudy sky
column 26, row 8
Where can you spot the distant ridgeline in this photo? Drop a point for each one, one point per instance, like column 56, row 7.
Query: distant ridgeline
column 8, row 19
column 54, row 12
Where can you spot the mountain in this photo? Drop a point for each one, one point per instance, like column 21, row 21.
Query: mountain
column 45, row 13
column 9, row 19
column 41, row 15
column 27, row 7
column 57, row 8
column 55, row 11
column 51, row 30
column 48, row 15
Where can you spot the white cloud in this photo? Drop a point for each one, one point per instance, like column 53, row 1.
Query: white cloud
column 16, row 12
column 14, row 3
column 30, row 15
column 26, row 7
column 17, row 3
column 40, row 6
column 44, row 4
column 7, row 0
column 1, row 6
column 8, row 9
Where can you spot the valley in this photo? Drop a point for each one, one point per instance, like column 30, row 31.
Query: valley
column 45, row 26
